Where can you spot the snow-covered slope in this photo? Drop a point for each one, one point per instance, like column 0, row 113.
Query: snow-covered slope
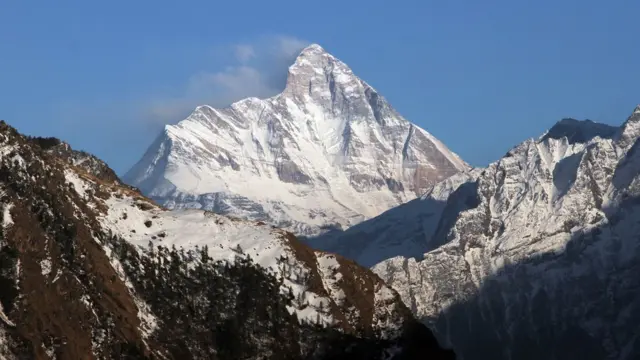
column 139, row 223
column 329, row 151
column 535, row 257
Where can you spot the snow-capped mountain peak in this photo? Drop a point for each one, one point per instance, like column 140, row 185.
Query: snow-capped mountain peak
column 315, row 56
column 309, row 56
column 313, row 48
column 329, row 151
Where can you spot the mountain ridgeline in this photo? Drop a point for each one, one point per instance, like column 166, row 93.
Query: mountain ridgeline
column 91, row 269
column 534, row 257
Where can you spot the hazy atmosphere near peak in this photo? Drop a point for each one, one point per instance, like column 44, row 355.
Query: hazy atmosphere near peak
column 107, row 76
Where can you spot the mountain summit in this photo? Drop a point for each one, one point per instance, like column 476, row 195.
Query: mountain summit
column 328, row 152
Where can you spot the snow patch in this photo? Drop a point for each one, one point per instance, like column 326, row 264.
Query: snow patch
column 78, row 184
column 45, row 266
column 7, row 220
column 329, row 269
column 17, row 159
column 4, row 317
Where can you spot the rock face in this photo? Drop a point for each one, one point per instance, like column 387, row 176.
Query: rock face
column 328, row 152
column 91, row 269
column 534, row 257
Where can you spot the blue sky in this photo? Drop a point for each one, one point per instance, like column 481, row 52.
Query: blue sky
column 480, row 75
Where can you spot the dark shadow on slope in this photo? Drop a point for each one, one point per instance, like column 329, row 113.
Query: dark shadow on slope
column 581, row 303
column 409, row 230
column 565, row 172
column 628, row 168
column 577, row 131
column 380, row 238
column 464, row 198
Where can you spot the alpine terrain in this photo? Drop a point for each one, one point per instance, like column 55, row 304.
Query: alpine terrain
column 91, row 269
column 535, row 257
column 326, row 153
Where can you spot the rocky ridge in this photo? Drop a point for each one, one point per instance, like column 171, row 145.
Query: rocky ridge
column 91, row 269
column 533, row 257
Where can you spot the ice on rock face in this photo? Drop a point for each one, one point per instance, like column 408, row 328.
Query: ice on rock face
column 326, row 153
column 535, row 256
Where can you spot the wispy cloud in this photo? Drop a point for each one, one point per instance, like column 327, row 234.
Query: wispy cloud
column 244, row 52
column 259, row 70
column 287, row 47
column 253, row 68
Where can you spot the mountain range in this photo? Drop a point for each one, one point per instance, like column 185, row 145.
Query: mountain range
column 534, row 256
column 321, row 224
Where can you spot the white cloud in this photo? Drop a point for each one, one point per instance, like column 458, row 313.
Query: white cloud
column 253, row 68
column 244, row 52
column 287, row 46
column 238, row 82
column 260, row 71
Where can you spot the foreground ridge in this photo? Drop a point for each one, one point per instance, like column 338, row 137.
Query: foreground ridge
column 90, row 268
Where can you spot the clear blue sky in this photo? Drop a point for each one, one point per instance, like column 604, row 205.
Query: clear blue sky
column 480, row 75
